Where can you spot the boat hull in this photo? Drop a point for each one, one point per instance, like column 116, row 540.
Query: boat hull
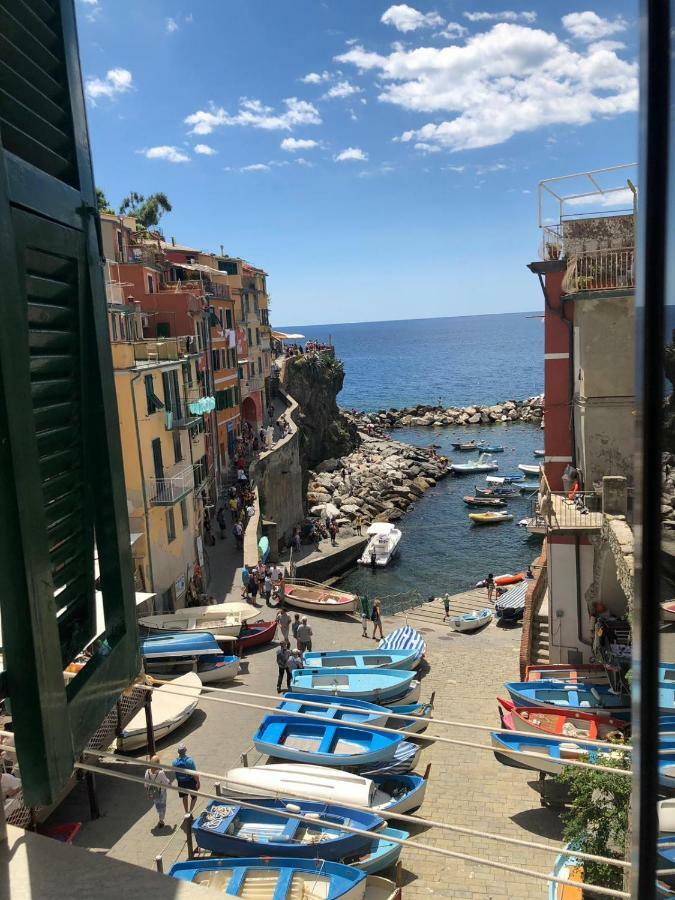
column 404, row 638
column 319, row 599
column 552, row 755
column 404, row 760
column 472, row 621
column 569, row 696
column 576, row 725
column 256, row 634
column 366, row 659
column 490, row 518
column 356, row 715
column 381, row 854
column 411, row 726
column 590, row 674
column 380, row 686
column 171, row 708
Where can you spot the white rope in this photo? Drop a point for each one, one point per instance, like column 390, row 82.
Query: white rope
column 441, row 851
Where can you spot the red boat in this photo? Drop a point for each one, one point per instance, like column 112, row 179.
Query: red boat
column 550, row 720
column 593, row 673
column 255, row 634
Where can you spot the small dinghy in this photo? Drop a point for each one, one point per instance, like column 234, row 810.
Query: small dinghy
column 501, row 492
column 476, row 466
column 167, row 655
column 549, row 720
column 404, row 638
column 591, row 673
column 256, row 634
column 328, row 744
column 358, row 711
column 404, row 760
column 412, row 726
column 383, row 545
column 274, row 879
column 378, row 685
column 465, row 446
column 598, row 699
column 379, row 888
column 172, row 704
column 494, row 502
column 382, row 853
column 471, row 621
column 490, row 518
column 383, row 794
column 492, row 448
column 668, row 611
column 508, row 750
column 538, row 452
column 529, row 470
column 511, row 478
column 361, row 659
column 218, row 619
column 568, row 867
column 503, row 580
column 318, row 598
column 232, row 830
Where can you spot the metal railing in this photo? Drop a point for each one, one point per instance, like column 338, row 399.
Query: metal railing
column 600, row 270
column 143, row 253
column 167, row 491
column 202, row 473
column 555, row 511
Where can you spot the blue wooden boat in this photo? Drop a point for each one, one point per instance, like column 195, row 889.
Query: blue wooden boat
column 665, row 859
column 174, row 654
column 492, row 448
column 378, row 685
column 667, row 765
column 402, row 793
column 404, row 638
column 359, row 710
column 412, row 726
column 569, row 867
column 508, row 747
column 382, row 853
column 361, row 659
column 590, row 698
column 404, row 760
column 231, row 830
column 319, row 743
column 274, row 879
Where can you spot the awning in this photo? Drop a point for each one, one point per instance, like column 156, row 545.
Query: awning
column 282, row 336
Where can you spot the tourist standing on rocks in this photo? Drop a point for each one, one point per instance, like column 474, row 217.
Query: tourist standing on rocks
column 156, row 782
column 283, row 655
column 376, row 616
column 284, row 623
column 304, row 635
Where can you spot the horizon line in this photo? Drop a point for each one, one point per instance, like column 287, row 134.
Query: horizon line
column 527, row 312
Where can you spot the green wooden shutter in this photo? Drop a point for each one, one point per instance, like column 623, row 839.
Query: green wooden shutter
column 62, row 486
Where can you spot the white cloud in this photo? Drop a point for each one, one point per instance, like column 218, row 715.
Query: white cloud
column 506, row 15
column 505, row 81
column 93, row 8
column 205, row 150
column 116, row 81
column 458, row 169
column 622, row 198
column 255, row 114
column 316, row 77
column 453, row 31
column 589, row 26
column 301, row 161
column 166, row 152
column 427, row 148
column 256, row 167
column 292, row 145
column 171, row 25
column 405, row 18
column 341, row 89
column 351, row 154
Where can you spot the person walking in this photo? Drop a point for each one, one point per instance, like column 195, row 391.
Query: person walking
column 490, row 585
column 267, row 588
column 333, row 530
column 284, row 623
column 222, row 525
column 253, row 587
column 376, row 617
column 233, row 503
column 184, row 780
column 283, row 655
column 156, row 782
column 358, row 524
column 364, row 624
column 304, row 635
column 245, row 578
column 238, row 532
column 294, row 627
column 446, row 606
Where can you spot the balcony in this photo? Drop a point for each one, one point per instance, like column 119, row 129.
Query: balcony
column 145, row 254
column 114, row 293
column 166, row 349
column 167, row 491
column 600, row 270
column 221, row 291
column 202, row 474
column 253, row 383
column 558, row 514
column 186, row 419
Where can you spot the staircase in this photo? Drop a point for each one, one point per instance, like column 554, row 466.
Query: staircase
column 540, row 639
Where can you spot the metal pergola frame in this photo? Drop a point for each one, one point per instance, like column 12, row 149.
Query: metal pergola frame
column 547, row 185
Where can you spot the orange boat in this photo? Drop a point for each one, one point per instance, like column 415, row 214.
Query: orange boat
column 550, row 720
column 592, row 673
column 502, row 580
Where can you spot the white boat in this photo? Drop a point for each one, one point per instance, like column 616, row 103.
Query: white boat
column 538, row 452
column 471, row 621
column 484, row 463
column 382, row 546
column 530, row 470
column 383, row 794
column 220, row 619
column 172, row 704
column 318, row 598
column 668, row 611
column 667, row 815
column 379, row 888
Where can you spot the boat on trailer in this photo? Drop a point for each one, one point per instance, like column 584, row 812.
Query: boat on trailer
column 319, row 598
column 383, row 545
column 365, row 659
column 274, row 879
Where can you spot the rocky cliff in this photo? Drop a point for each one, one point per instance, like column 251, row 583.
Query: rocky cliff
column 314, row 381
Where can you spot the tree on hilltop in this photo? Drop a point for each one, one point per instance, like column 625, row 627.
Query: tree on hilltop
column 146, row 210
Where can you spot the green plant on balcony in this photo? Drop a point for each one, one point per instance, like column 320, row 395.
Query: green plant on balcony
column 552, row 250
column 585, row 283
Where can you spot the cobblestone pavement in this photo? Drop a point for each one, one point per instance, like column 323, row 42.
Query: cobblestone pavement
column 467, row 787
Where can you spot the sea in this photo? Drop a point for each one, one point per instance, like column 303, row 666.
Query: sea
column 458, row 361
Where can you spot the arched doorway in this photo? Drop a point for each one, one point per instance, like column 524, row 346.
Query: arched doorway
column 248, row 411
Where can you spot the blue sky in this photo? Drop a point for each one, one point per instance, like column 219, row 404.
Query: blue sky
column 379, row 161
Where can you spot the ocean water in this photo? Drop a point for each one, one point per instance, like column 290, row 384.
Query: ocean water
column 461, row 361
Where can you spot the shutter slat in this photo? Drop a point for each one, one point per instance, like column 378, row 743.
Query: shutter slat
column 49, row 366
column 16, row 85
column 25, row 67
column 53, row 415
column 50, row 390
column 16, row 113
column 62, row 489
column 49, row 316
column 20, row 36
column 33, row 151
column 34, row 25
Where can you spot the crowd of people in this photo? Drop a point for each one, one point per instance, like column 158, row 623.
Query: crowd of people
column 264, row 580
column 291, row 350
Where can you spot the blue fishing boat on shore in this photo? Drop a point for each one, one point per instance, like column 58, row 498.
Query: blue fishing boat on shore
column 174, row 654
column 554, row 754
column 377, row 686
column 274, row 879
column 228, row 829
column 361, row 659
column 404, row 638
column 590, row 698
column 323, row 744
column 358, row 711
column 382, row 853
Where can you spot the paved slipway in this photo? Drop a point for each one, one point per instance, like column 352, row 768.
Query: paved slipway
column 467, row 786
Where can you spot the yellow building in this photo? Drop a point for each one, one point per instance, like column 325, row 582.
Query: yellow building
column 164, row 453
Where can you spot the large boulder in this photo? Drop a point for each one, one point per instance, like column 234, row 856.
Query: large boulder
column 328, row 465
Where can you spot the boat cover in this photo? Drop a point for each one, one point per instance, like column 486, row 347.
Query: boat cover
column 514, row 598
column 404, row 638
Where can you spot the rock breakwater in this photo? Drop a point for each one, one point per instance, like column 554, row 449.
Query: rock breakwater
column 530, row 410
column 378, row 481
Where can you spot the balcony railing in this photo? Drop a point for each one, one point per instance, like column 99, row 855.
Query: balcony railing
column 186, row 419
column 555, row 512
column 600, row 270
column 166, row 349
column 167, row 491
column 145, row 254
column 221, row 291
column 202, row 473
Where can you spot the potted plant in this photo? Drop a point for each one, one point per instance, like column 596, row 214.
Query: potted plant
column 553, row 250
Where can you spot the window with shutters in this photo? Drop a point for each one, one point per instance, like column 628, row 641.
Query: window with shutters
column 151, row 284
column 228, row 318
column 177, row 448
column 113, row 320
column 184, row 513
column 167, row 386
column 170, row 526
column 152, row 400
